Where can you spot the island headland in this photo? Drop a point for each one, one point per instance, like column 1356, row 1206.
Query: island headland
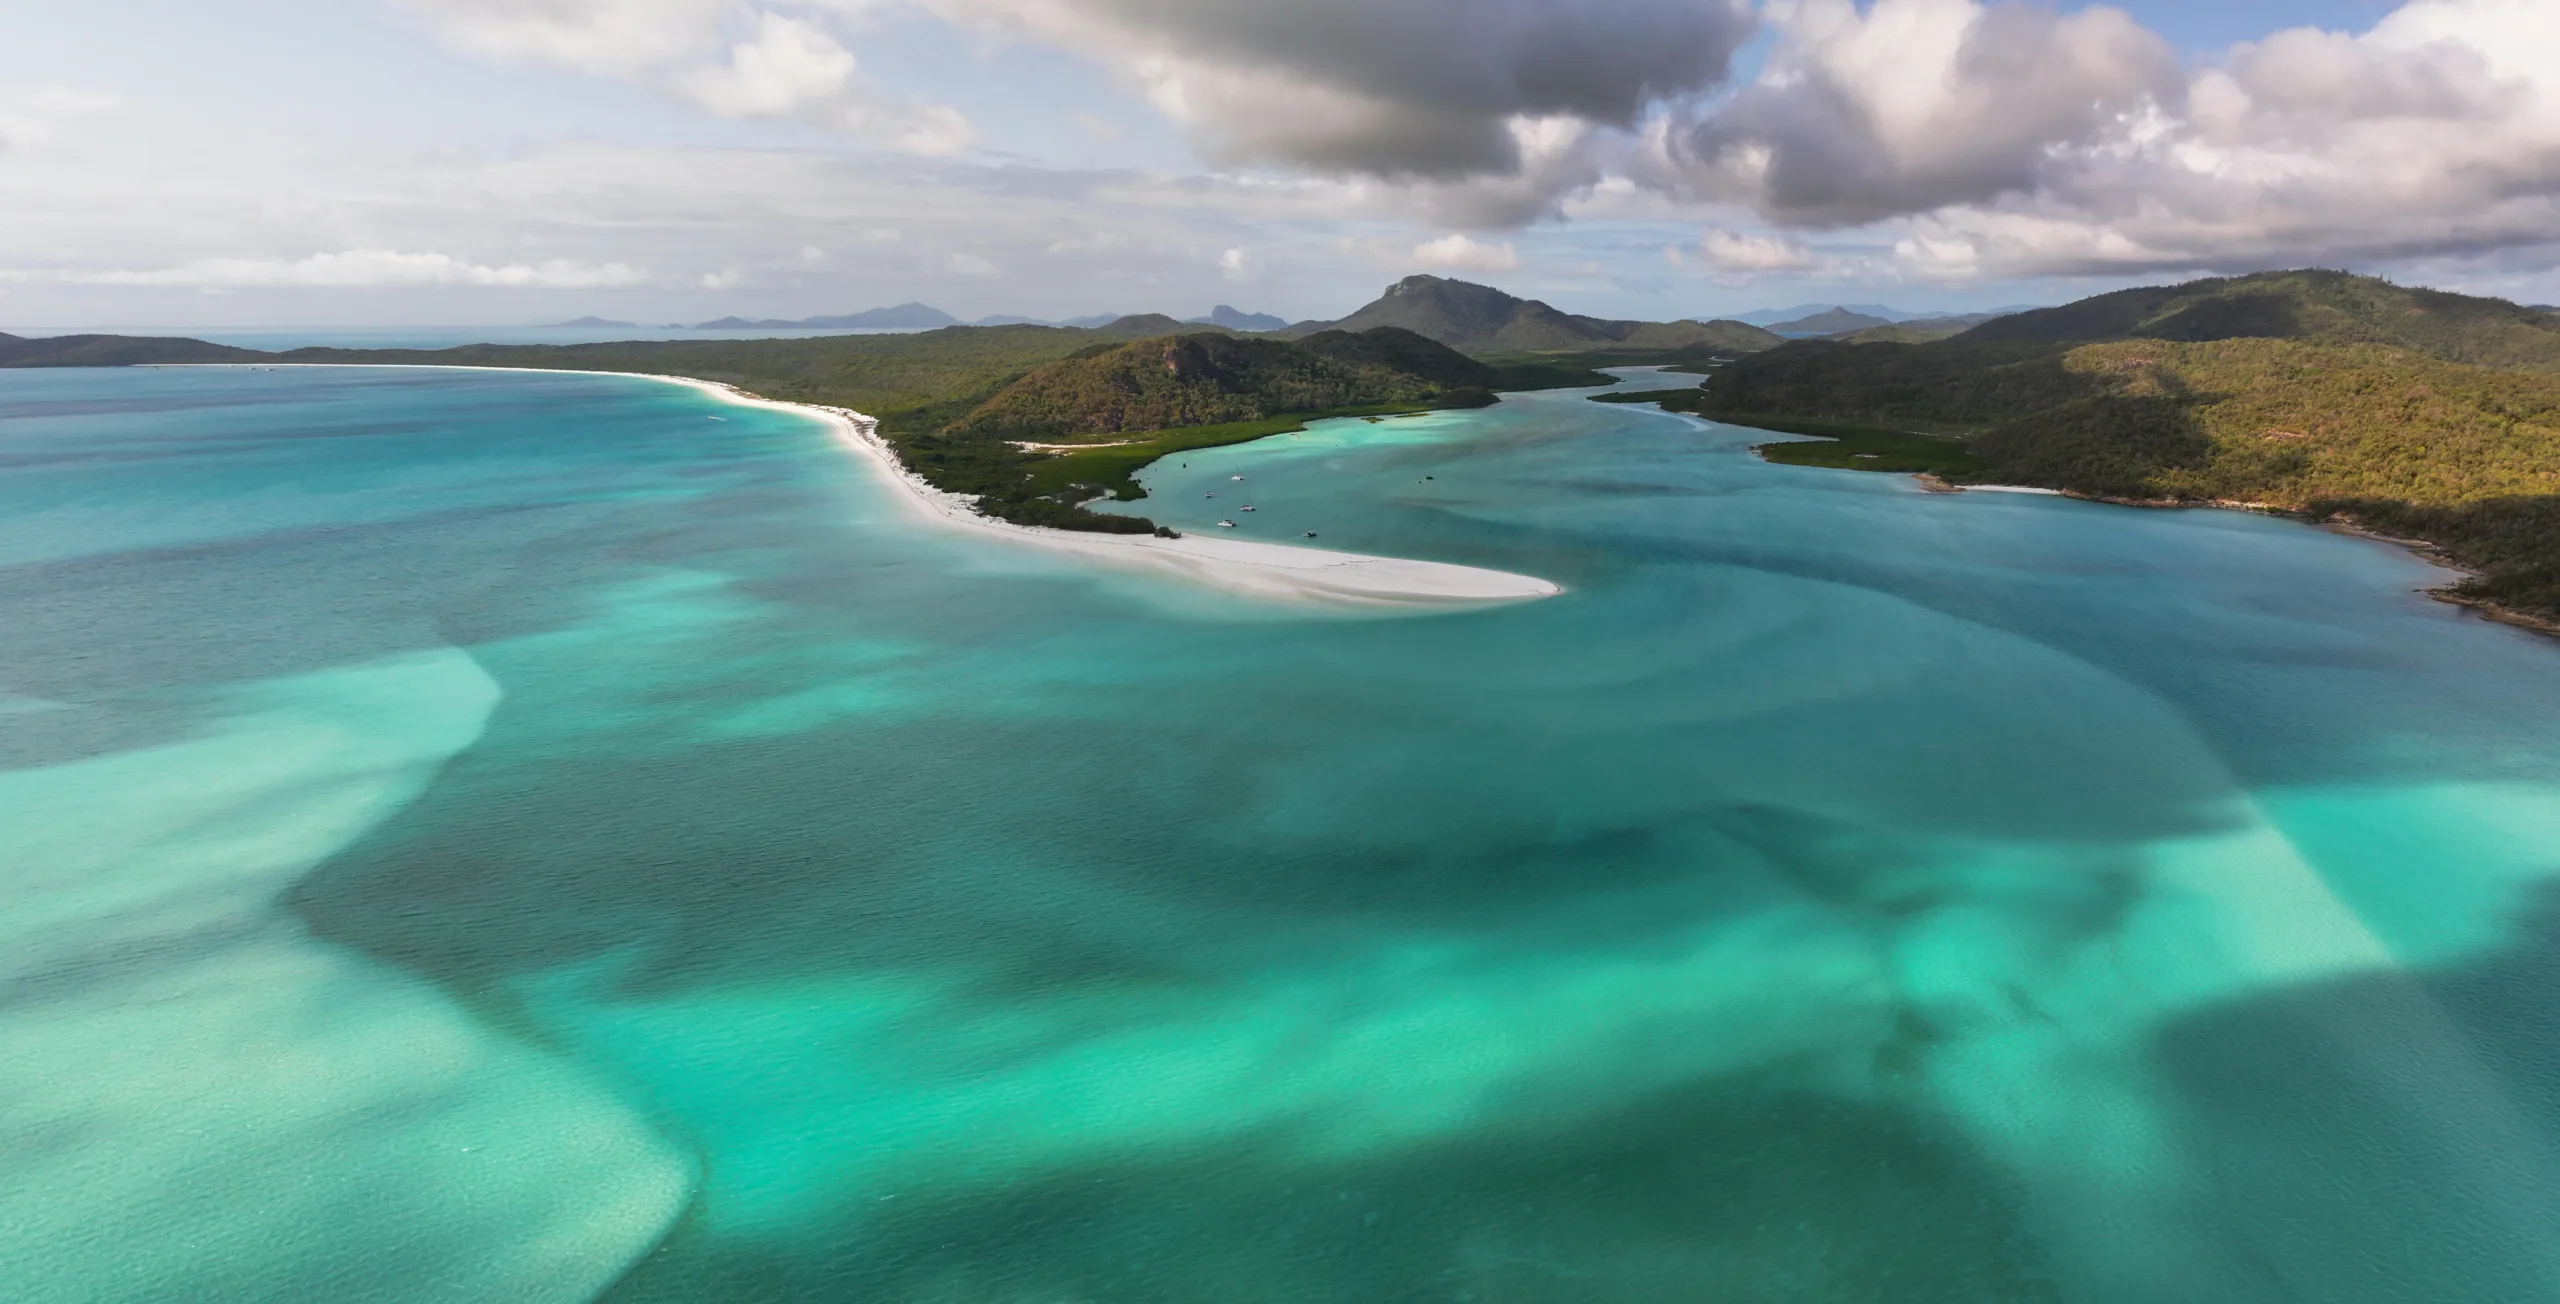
column 2415, row 416
column 1012, row 430
column 2421, row 417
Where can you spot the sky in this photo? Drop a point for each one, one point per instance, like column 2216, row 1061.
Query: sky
column 199, row 164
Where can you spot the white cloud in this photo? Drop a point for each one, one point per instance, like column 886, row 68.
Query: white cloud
column 625, row 37
column 1461, row 253
column 973, row 265
column 1916, row 104
column 1238, row 265
column 33, row 120
column 2014, row 142
column 1735, row 252
column 373, row 269
column 1092, row 242
column 730, row 58
column 788, row 67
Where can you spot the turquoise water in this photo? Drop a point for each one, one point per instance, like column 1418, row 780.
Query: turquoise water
column 543, row 837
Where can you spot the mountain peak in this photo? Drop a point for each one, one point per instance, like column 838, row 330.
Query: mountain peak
column 1481, row 319
column 1831, row 321
column 1236, row 319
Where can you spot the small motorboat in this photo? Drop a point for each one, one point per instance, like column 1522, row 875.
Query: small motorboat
column 1311, row 534
column 1208, row 495
column 1246, row 508
column 1226, row 525
column 1235, row 477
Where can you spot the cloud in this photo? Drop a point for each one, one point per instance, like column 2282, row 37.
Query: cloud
column 732, row 59
column 1459, row 253
column 1734, row 252
column 2007, row 141
column 625, row 37
column 1473, row 113
column 1917, row 104
column 33, row 121
column 787, row 67
column 1407, row 89
column 1092, row 242
column 374, row 269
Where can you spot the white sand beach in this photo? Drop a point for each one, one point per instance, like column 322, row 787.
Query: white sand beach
column 1266, row 570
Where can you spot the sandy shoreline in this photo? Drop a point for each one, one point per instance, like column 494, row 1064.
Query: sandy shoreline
column 1272, row 571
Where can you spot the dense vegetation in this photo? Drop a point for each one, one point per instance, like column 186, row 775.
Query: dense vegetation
column 1199, row 380
column 957, row 403
column 1186, row 380
column 1112, row 469
column 1839, row 444
column 114, row 351
column 2316, row 307
column 1915, row 332
column 2411, row 412
column 879, row 374
column 1184, row 392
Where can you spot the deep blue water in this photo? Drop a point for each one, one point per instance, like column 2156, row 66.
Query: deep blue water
column 542, row 837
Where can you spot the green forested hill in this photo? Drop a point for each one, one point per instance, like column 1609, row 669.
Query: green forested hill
column 2413, row 412
column 1184, row 380
column 2314, row 306
column 1481, row 319
column 1191, row 380
column 956, row 402
column 115, row 351
column 879, row 374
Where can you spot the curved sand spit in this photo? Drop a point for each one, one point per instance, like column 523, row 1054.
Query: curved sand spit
column 1265, row 570
column 1268, row 570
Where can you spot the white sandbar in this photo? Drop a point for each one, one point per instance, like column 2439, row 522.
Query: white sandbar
column 1268, row 570
column 1264, row 570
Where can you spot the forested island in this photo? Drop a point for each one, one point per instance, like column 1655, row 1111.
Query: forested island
column 1033, row 422
column 2413, row 414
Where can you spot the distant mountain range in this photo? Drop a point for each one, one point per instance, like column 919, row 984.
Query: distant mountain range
column 1480, row 319
column 1236, row 320
column 925, row 317
column 1835, row 321
column 906, row 316
column 1772, row 317
column 1919, row 330
column 1782, row 319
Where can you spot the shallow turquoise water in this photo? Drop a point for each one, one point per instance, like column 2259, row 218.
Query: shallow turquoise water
column 546, row 837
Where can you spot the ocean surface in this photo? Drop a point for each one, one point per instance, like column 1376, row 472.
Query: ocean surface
column 545, row 838
column 281, row 338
